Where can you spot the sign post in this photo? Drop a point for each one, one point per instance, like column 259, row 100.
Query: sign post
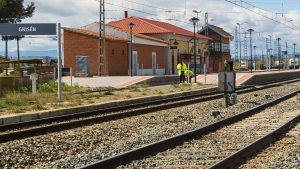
column 33, row 78
column 227, row 85
column 59, row 64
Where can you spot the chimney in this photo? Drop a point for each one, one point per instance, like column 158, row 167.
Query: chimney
column 126, row 14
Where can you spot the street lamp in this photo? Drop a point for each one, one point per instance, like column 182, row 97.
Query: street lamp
column 270, row 53
column 294, row 55
column 279, row 53
column 197, row 12
column 195, row 20
column 251, row 30
column 254, row 53
column 131, row 25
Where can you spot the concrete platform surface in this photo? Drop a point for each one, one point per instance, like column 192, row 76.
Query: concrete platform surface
column 241, row 77
column 126, row 81
column 110, row 81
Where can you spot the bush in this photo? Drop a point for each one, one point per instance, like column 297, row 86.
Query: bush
column 47, row 87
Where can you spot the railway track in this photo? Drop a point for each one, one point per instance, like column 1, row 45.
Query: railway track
column 84, row 145
column 205, row 147
column 54, row 124
column 284, row 153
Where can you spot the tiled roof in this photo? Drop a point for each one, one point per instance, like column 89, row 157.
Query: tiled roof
column 148, row 26
column 139, row 35
column 218, row 30
column 94, row 34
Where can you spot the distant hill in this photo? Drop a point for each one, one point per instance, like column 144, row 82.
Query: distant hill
column 24, row 54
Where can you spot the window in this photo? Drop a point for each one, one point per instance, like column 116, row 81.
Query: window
column 123, row 52
column 113, row 52
column 225, row 47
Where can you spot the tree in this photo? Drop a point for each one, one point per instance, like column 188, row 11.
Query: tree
column 14, row 11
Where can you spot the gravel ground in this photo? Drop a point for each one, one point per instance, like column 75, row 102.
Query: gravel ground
column 284, row 153
column 209, row 149
column 77, row 147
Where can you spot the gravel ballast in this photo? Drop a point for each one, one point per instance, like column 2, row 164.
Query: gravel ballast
column 81, row 146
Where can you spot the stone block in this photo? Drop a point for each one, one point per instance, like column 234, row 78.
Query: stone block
column 11, row 120
column 29, row 117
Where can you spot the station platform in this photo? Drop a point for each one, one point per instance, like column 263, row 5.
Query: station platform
column 242, row 78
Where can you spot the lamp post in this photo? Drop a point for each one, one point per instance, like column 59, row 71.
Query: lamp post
column 251, row 30
column 197, row 12
column 279, row 53
column 131, row 25
column 195, row 20
column 294, row 55
column 254, row 53
column 270, row 54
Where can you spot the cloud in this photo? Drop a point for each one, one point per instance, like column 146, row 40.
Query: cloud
column 75, row 13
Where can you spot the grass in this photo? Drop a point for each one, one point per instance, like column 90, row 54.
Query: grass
column 23, row 100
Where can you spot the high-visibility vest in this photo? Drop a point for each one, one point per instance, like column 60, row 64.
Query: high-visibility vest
column 225, row 64
column 184, row 67
column 187, row 73
column 179, row 67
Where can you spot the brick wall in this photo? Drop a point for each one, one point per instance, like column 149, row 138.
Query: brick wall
column 145, row 55
column 76, row 44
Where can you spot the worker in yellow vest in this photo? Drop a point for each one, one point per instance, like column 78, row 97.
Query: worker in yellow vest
column 181, row 67
column 189, row 74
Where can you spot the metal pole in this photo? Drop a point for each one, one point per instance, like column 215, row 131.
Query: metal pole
column 18, row 48
column 71, row 75
column 270, row 54
column 251, row 52
column 254, row 47
column 279, row 54
column 285, row 62
column 195, row 53
column 189, row 73
column 295, row 56
column 131, row 50
column 267, row 55
column 240, row 45
column 6, row 54
column 59, row 64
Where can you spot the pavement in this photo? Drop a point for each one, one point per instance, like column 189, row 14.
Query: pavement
column 241, row 77
column 109, row 81
column 126, row 81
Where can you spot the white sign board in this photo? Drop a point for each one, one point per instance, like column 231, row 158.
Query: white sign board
column 226, row 81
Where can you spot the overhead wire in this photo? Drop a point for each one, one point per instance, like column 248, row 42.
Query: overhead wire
column 274, row 20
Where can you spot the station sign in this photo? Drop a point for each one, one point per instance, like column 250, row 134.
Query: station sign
column 28, row 29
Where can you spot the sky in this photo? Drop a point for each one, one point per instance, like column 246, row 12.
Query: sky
column 76, row 13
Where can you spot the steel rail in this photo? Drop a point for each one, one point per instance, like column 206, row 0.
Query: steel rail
column 260, row 144
column 169, row 143
column 40, row 130
column 205, row 92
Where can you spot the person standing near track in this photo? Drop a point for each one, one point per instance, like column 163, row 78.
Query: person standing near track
column 181, row 68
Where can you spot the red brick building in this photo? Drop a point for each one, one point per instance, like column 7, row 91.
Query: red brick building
column 148, row 52
column 219, row 47
column 180, row 41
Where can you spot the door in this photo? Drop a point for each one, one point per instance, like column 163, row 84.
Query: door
column 135, row 63
column 154, row 63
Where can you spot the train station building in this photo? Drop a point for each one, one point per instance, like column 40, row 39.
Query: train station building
column 82, row 44
column 181, row 41
column 219, row 49
column 157, row 48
